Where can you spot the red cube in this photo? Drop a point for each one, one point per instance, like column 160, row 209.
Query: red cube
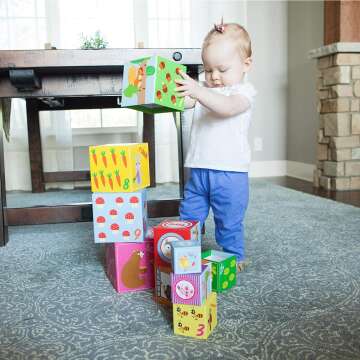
column 172, row 230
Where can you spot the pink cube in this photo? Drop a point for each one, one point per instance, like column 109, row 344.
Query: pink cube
column 130, row 266
column 191, row 289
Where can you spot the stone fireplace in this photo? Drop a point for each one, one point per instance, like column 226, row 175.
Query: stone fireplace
column 338, row 90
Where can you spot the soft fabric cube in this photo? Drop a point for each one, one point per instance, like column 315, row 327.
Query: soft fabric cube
column 149, row 86
column 223, row 269
column 186, row 257
column 196, row 321
column 130, row 266
column 191, row 289
column 119, row 217
column 170, row 231
column 162, row 292
column 119, row 167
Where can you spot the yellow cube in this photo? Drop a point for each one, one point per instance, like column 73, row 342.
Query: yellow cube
column 119, row 167
column 196, row 321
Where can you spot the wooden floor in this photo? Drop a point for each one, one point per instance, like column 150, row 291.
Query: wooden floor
column 347, row 197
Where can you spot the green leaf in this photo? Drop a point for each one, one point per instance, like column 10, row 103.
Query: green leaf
column 139, row 61
column 130, row 90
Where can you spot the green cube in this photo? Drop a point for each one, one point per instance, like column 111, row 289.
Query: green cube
column 149, row 86
column 223, row 267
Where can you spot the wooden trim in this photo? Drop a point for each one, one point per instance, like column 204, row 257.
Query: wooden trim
column 90, row 61
column 149, row 137
column 331, row 21
column 349, row 21
column 79, row 213
column 178, row 117
column 341, row 21
column 61, row 86
column 4, row 234
column 59, row 176
column 35, row 153
column 83, row 103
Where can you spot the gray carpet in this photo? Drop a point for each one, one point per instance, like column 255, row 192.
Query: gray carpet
column 299, row 299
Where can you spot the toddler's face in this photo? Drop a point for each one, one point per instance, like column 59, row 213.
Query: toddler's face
column 223, row 63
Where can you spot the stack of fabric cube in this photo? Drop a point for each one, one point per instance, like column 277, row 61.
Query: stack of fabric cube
column 182, row 280
column 119, row 176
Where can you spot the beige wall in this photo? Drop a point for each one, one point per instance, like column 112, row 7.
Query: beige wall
column 267, row 25
column 305, row 32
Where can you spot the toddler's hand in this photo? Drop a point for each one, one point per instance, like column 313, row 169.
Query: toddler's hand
column 187, row 86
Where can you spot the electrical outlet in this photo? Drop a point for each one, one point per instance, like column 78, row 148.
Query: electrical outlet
column 258, row 144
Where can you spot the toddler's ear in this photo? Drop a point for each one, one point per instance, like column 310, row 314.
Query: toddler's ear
column 247, row 64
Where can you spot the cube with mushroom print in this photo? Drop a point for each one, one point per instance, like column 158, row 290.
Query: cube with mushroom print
column 119, row 167
column 119, row 217
column 149, row 86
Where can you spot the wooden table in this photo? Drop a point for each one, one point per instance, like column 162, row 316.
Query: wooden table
column 74, row 79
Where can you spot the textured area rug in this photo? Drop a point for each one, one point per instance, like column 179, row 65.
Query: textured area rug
column 299, row 299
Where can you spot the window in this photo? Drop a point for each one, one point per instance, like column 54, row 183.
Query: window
column 105, row 118
column 113, row 18
column 115, row 21
column 169, row 23
column 22, row 24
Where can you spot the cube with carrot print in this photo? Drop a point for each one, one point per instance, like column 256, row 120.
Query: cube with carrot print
column 149, row 86
column 119, row 167
column 119, row 217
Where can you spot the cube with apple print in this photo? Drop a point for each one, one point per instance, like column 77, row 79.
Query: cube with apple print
column 149, row 86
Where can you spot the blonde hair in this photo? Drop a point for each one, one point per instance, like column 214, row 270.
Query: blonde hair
column 234, row 32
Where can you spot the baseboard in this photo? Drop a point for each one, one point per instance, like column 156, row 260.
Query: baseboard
column 268, row 168
column 294, row 169
column 300, row 170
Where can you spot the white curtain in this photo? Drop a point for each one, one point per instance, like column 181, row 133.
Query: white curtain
column 179, row 24
column 164, row 24
column 29, row 24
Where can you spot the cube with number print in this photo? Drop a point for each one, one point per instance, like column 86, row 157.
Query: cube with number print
column 196, row 321
column 119, row 167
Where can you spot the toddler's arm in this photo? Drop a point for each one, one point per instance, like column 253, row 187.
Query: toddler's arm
column 223, row 106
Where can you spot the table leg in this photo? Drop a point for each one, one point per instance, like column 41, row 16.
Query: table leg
column 149, row 137
column 36, row 162
column 4, row 235
column 178, row 121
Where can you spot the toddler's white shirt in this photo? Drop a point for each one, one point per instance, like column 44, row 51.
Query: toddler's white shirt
column 221, row 143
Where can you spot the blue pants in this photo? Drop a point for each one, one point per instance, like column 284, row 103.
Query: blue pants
column 227, row 193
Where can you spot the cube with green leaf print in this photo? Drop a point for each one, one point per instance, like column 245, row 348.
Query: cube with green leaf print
column 223, row 267
column 149, row 86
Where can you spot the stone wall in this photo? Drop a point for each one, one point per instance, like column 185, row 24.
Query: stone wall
column 338, row 154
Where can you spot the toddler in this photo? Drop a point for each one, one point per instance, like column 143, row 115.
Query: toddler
column 219, row 153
